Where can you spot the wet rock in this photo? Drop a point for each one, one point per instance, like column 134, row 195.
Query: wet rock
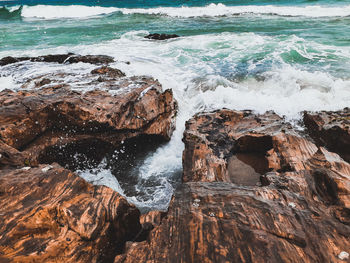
column 48, row 213
column 10, row 156
column 157, row 36
column 92, row 59
column 239, row 224
column 223, row 212
column 108, row 71
column 55, row 216
column 330, row 129
column 60, row 58
column 42, row 82
column 53, row 123
column 8, row 60
column 223, row 145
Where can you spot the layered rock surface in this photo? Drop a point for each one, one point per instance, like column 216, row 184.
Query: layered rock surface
column 37, row 123
column 48, row 213
column 331, row 129
column 254, row 190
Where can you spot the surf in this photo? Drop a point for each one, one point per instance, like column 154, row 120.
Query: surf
column 214, row 10
column 211, row 10
column 10, row 14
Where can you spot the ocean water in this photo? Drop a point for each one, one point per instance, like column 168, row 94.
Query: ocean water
column 286, row 56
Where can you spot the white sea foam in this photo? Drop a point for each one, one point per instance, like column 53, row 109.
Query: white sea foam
column 211, row 10
column 6, row 83
column 102, row 176
column 72, row 11
column 223, row 10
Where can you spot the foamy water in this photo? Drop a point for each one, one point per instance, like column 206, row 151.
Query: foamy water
column 211, row 10
column 223, row 10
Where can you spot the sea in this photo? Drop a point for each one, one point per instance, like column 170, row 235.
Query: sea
column 282, row 55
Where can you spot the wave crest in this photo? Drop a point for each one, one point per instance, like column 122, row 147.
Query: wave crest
column 211, row 10
column 71, row 11
column 10, row 14
column 223, row 10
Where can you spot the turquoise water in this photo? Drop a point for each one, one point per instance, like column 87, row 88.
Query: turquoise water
column 286, row 56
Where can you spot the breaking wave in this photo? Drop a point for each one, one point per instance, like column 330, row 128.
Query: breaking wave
column 211, row 10
column 10, row 13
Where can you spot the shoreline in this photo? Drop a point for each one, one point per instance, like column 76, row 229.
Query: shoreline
column 253, row 187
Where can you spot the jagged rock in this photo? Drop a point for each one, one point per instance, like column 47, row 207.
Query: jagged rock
column 44, row 122
column 52, row 215
column 157, row 36
column 92, row 59
column 10, row 156
column 9, row 60
column 60, row 58
column 254, row 190
column 108, row 71
column 330, row 129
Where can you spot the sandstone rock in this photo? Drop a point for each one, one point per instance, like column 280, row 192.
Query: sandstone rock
column 10, row 156
column 238, row 224
column 152, row 217
column 255, row 190
column 49, row 214
column 40, row 123
column 157, row 36
column 330, row 129
column 55, row 216
column 222, row 145
column 60, row 58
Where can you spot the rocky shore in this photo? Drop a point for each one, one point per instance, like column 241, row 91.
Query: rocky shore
column 254, row 188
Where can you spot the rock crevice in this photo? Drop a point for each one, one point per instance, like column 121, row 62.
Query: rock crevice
column 49, row 213
column 254, row 190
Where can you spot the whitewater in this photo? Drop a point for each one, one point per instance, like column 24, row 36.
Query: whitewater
column 211, row 10
column 283, row 58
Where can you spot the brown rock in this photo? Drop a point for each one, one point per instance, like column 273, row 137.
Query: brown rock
column 222, row 145
column 40, row 122
column 92, row 59
column 255, row 190
column 110, row 72
column 61, row 58
column 49, row 214
column 331, row 129
column 152, row 217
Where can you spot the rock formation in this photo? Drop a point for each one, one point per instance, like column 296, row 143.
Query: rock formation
column 37, row 123
column 60, row 58
column 48, row 213
column 254, row 190
column 157, row 36
column 331, row 129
